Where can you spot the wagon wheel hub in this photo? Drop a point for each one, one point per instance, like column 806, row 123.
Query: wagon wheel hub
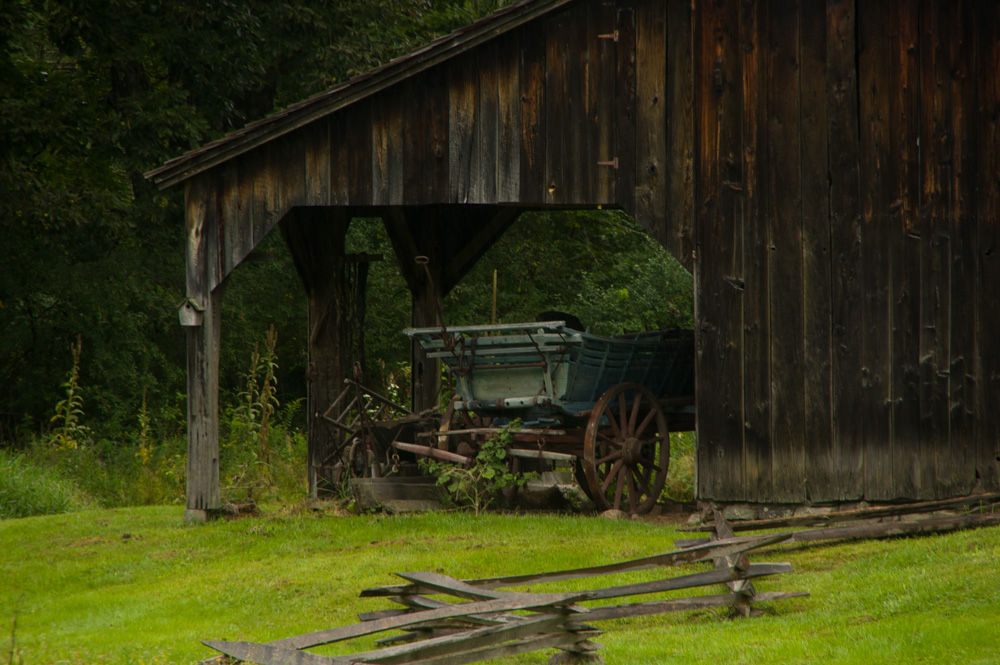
column 636, row 451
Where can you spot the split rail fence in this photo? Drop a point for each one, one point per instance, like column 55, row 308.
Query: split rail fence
column 427, row 629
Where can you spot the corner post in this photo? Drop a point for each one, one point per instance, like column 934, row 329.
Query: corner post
column 200, row 315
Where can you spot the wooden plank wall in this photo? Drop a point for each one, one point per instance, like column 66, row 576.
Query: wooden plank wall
column 823, row 167
column 589, row 106
column 847, row 227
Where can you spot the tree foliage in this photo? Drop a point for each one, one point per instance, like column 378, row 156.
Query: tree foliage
column 598, row 265
column 92, row 95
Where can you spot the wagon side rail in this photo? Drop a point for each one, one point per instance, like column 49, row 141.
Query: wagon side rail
column 504, row 366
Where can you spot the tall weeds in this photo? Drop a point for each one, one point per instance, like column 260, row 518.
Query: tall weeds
column 69, row 431
column 263, row 454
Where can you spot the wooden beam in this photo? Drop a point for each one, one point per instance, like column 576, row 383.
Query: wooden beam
column 485, row 236
column 315, row 238
column 404, row 244
column 203, row 341
column 449, row 240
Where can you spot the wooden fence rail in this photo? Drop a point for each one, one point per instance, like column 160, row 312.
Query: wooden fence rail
column 494, row 623
column 874, row 522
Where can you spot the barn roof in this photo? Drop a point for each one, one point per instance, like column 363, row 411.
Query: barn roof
column 364, row 85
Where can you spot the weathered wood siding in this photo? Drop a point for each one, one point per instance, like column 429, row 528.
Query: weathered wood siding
column 847, row 232
column 828, row 169
column 588, row 106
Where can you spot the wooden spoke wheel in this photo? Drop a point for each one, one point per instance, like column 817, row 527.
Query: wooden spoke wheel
column 626, row 449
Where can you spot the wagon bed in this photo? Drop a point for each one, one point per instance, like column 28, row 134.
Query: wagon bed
column 546, row 364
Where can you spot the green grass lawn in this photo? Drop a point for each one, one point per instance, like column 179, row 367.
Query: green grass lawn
column 137, row 586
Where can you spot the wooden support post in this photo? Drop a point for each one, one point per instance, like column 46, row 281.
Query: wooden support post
column 448, row 240
column 200, row 315
column 427, row 303
column 316, row 239
column 416, row 235
column 203, row 411
column 743, row 591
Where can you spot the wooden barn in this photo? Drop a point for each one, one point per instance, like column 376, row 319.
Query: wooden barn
column 828, row 171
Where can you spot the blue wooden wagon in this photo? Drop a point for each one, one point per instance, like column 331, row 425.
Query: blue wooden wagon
column 601, row 404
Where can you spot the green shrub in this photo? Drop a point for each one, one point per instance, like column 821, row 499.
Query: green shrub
column 480, row 485
column 27, row 489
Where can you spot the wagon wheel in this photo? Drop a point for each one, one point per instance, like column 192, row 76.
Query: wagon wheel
column 626, row 449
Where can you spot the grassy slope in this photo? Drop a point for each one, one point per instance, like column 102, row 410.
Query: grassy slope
column 136, row 586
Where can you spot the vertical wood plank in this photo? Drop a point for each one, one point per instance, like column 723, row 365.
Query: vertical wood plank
column 959, row 475
column 625, row 99
column 437, row 167
column 845, row 246
column 651, row 120
column 290, row 154
column 988, row 247
column 462, row 110
column 785, row 230
column 532, row 68
column 244, row 205
column 318, row 176
column 719, row 356
column 196, row 212
column 558, row 101
column 388, row 148
column 340, row 181
column 873, row 66
column 359, row 153
column 816, row 264
column 756, row 262
column 233, row 233
column 381, row 148
column 679, row 177
column 579, row 168
column 484, row 182
column 265, row 192
column 904, row 175
column 509, row 139
column 417, row 162
column 935, row 182
column 424, row 138
column 599, row 96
